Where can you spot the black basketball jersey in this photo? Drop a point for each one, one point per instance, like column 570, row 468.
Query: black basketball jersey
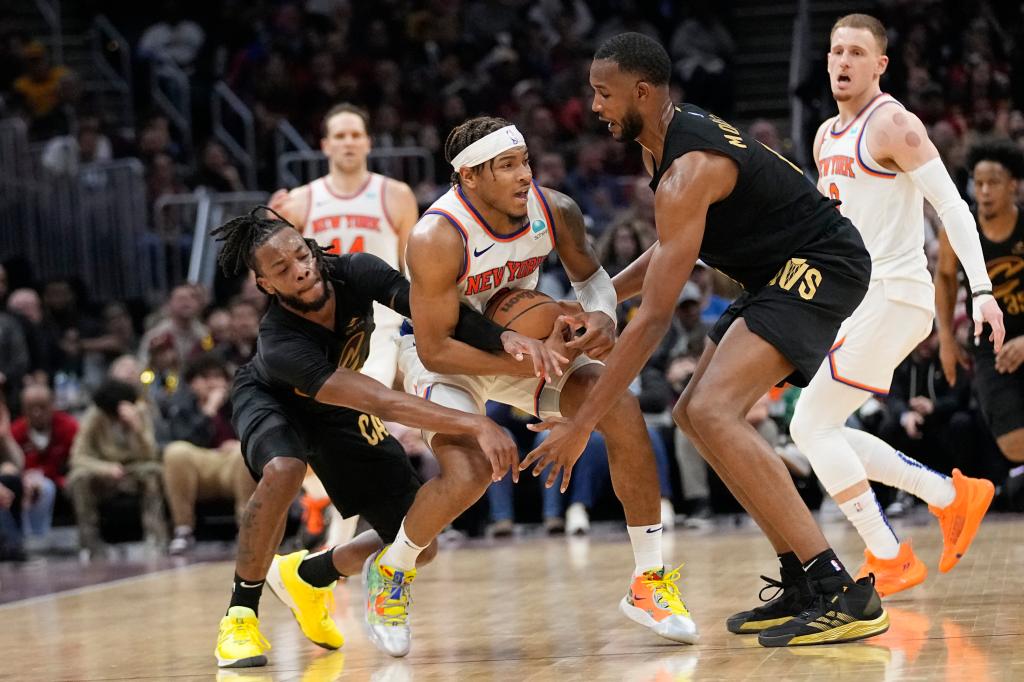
column 1004, row 261
column 772, row 212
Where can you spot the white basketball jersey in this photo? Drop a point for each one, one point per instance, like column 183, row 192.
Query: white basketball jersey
column 493, row 262
column 884, row 205
column 352, row 224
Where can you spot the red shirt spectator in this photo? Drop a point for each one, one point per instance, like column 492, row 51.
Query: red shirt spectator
column 44, row 434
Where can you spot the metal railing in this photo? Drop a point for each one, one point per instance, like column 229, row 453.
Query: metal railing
column 409, row 164
column 242, row 143
column 50, row 9
column 288, row 140
column 797, row 61
column 113, row 58
column 171, row 92
column 181, row 247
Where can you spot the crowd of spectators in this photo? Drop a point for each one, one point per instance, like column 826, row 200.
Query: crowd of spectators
column 109, row 399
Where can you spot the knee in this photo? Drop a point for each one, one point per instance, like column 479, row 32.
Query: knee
column 680, row 415
column 283, row 473
column 177, row 453
column 470, row 476
column 801, row 429
column 705, row 413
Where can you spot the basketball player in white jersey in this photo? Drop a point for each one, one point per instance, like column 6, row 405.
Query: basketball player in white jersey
column 351, row 210
column 875, row 158
column 490, row 232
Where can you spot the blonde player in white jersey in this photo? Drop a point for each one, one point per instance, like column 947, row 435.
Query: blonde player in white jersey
column 875, row 158
column 491, row 232
column 351, row 210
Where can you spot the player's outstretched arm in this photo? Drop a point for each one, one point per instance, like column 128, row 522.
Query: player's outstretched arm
column 346, row 388
column 435, row 257
column 593, row 286
column 950, row 352
column 693, row 182
column 900, row 137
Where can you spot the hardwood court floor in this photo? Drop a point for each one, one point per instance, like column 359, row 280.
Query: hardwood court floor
column 539, row 609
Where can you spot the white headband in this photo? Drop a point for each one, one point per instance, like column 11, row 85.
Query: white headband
column 488, row 147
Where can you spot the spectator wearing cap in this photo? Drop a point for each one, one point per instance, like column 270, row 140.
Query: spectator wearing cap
column 45, row 435
column 115, row 452
column 203, row 461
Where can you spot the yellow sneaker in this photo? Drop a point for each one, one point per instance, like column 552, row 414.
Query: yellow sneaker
column 239, row 643
column 653, row 600
column 311, row 606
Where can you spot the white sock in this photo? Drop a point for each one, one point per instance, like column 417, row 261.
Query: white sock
column 401, row 553
column 646, row 541
column 888, row 465
column 867, row 517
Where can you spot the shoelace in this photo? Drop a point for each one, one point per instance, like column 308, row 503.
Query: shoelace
column 395, row 610
column 667, row 588
column 779, row 586
column 246, row 629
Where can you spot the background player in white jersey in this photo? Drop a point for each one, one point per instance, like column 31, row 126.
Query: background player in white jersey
column 351, row 210
column 876, row 159
column 490, row 232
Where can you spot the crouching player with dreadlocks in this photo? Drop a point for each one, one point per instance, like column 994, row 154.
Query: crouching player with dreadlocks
column 302, row 400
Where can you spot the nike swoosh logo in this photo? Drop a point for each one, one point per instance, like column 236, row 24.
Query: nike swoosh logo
column 654, row 530
column 480, row 253
column 249, row 585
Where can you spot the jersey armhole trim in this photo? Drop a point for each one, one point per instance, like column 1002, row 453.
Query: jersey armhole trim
column 547, row 214
column 831, row 128
column 884, row 174
column 465, row 239
column 384, row 181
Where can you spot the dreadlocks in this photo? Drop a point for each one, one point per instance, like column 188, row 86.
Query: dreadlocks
column 243, row 235
column 466, row 134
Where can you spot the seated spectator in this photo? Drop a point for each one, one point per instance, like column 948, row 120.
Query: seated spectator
column 64, row 155
column 43, row 341
column 116, row 338
column 216, row 172
column 44, row 90
column 187, row 333
column 115, row 452
column 11, row 492
column 245, row 327
column 45, row 435
column 203, row 461
column 218, row 324
column 161, row 376
column 14, row 358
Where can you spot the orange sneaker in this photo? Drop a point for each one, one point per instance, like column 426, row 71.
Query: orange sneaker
column 960, row 520
column 894, row 575
column 653, row 600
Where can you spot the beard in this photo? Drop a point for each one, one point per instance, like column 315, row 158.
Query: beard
column 632, row 125
column 313, row 306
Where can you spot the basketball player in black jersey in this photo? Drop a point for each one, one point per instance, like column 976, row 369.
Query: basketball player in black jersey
column 751, row 214
column 998, row 377
column 302, row 399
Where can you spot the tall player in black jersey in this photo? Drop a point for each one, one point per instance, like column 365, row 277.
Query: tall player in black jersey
column 752, row 215
column 998, row 377
column 302, row 399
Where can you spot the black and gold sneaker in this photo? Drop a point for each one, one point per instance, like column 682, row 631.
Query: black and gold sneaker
column 840, row 611
column 792, row 595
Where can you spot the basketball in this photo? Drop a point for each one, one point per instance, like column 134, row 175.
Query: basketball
column 529, row 312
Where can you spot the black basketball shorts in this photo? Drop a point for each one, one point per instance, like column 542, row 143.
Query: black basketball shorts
column 1001, row 396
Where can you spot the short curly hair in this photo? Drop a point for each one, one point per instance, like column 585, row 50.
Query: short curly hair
column 1005, row 153
column 639, row 54
column 465, row 134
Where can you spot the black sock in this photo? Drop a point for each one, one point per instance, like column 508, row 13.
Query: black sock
column 791, row 566
column 318, row 569
column 826, row 565
column 247, row 594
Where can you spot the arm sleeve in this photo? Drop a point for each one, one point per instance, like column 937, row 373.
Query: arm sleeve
column 296, row 362
column 371, row 277
column 934, row 182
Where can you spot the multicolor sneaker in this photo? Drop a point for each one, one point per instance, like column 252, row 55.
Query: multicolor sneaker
column 387, row 605
column 841, row 611
column 894, row 575
column 653, row 600
column 791, row 596
column 960, row 520
column 311, row 606
column 239, row 642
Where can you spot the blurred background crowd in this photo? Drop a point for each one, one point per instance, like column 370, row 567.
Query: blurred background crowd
column 109, row 393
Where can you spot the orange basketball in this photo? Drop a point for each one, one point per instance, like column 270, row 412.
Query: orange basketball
column 526, row 311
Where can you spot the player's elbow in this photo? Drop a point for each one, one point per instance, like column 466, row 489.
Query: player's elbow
column 432, row 354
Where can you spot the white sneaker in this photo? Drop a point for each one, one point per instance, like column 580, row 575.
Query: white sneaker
column 577, row 520
column 668, row 514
